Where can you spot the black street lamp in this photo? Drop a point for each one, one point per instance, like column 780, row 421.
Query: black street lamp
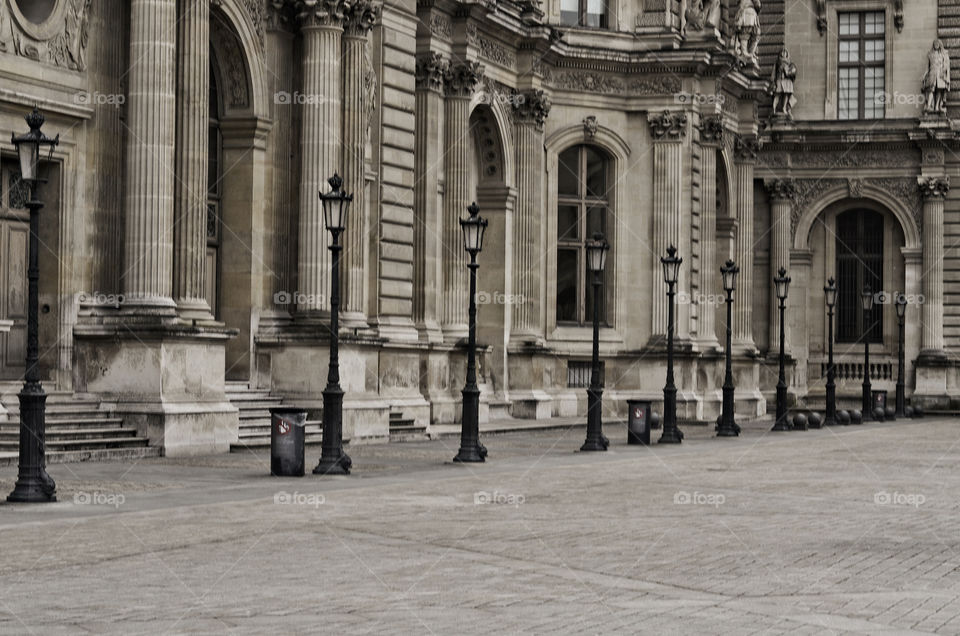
column 33, row 482
column 671, row 270
column 471, row 450
column 596, row 261
column 782, row 283
column 728, row 427
column 901, row 314
column 333, row 459
column 830, row 296
column 866, row 298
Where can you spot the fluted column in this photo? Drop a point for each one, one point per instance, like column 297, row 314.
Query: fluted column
column 460, row 80
column 360, row 19
column 667, row 130
column 193, row 124
column 320, row 140
column 782, row 193
column 933, row 190
column 151, row 122
column 531, row 110
column 428, row 222
column 711, row 140
column 746, row 148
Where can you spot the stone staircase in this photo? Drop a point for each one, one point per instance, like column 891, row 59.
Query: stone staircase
column 405, row 429
column 78, row 428
column 254, row 406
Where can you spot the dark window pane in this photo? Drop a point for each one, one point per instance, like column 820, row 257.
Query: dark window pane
column 588, row 317
column 569, row 167
column 596, row 173
column 567, row 296
column 596, row 221
column 567, row 222
column 859, row 247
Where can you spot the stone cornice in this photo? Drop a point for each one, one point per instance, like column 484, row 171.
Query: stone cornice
column 461, row 78
column 933, row 187
column 430, row 71
column 321, row 13
column 532, row 106
column 361, row 16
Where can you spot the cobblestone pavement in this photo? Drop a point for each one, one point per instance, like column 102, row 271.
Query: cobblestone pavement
column 847, row 530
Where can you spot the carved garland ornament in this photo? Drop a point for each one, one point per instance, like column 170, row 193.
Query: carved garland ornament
column 63, row 44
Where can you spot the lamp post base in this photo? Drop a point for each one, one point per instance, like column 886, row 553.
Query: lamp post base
column 781, row 425
column 33, row 485
column 333, row 460
column 671, row 437
column 334, row 465
column 470, row 455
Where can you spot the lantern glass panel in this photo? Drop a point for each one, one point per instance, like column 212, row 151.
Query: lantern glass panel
column 29, row 152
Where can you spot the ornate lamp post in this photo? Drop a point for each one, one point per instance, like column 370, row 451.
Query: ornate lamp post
column 782, row 283
column 830, row 296
column 596, row 261
column 866, row 298
column 33, row 482
column 333, row 459
column 471, row 450
column 671, row 269
column 901, row 305
column 728, row 427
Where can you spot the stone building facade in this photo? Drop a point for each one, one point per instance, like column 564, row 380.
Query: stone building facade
column 184, row 248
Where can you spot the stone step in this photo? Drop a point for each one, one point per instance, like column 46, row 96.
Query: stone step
column 88, row 455
column 70, row 423
column 55, row 435
column 82, row 444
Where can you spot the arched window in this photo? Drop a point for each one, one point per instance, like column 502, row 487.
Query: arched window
column 859, row 263
column 214, row 192
column 583, row 207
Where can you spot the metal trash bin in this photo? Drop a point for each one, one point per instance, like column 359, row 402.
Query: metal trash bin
column 287, row 425
column 638, row 422
column 879, row 400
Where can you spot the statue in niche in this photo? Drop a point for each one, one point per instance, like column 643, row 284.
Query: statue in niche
column 784, row 73
column 936, row 81
column 699, row 14
column 746, row 36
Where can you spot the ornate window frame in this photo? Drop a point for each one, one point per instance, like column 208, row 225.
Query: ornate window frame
column 42, row 31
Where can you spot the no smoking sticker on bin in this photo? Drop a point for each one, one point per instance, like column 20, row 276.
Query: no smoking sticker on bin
column 283, row 427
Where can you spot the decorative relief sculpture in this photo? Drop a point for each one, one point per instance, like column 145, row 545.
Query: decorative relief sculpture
column 746, row 147
column 67, row 45
column 855, row 186
column 430, row 71
column 898, row 15
column 533, row 106
column 933, row 187
column 781, row 189
column 699, row 15
column 667, row 125
column 360, row 16
column 711, row 130
column 822, row 16
column 784, row 73
column 462, row 77
column 590, row 127
column 321, row 12
column 936, row 81
column 746, row 35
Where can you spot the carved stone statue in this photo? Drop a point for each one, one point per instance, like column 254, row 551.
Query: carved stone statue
column 936, row 81
column 784, row 73
column 747, row 31
column 699, row 14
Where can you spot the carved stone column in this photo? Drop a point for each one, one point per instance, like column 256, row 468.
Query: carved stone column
column 151, row 119
column 711, row 140
column 667, row 130
column 782, row 192
column 360, row 19
column 460, row 80
column 320, row 140
column 428, row 224
column 933, row 190
column 531, row 110
column 745, row 148
column 193, row 124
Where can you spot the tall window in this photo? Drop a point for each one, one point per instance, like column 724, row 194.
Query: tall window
column 583, row 180
column 587, row 13
column 859, row 263
column 860, row 62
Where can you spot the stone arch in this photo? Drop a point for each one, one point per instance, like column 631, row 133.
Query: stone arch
column 603, row 137
column 872, row 198
column 487, row 106
column 724, row 163
column 239, row 61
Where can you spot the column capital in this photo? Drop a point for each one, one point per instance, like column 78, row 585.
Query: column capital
column 933, row 187
column 746, row 148
column 361, row 16
column 532, row 106
column 667, row 125
column 781, row 189
column 462, row 77
column 711, row 130
column 321, row 13
column 430, row 71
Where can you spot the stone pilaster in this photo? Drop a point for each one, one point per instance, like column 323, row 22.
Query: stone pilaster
column 933, row 190
column 322, row 28
column 531, row 110
column 667, row 130
column 711, row 140
column 782, row 193
column 193, row 124
column 151, row 120
column 360, row 18
column 460, row 81
column 428, row 225
column 746, row 148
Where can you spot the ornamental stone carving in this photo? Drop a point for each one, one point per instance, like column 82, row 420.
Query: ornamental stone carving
column 590, row 127
column 933, row 187
column 313, row 13
column 822, row 17
column 898, row 15
column 711, row 130
column 441, row 26
column 532, row 106
column 257, row 13
column 461, row 78
column 746, row 147
column 279, row 15
column 593, row 82
column 936, row 80
column 231, row 57
column 63, row 44
column 361, row 16
column 430, row 70
column 700, row 14
column 781, row 189
column 746, row 35
column 667, row 126
column 855, row 188
column 784, row 74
